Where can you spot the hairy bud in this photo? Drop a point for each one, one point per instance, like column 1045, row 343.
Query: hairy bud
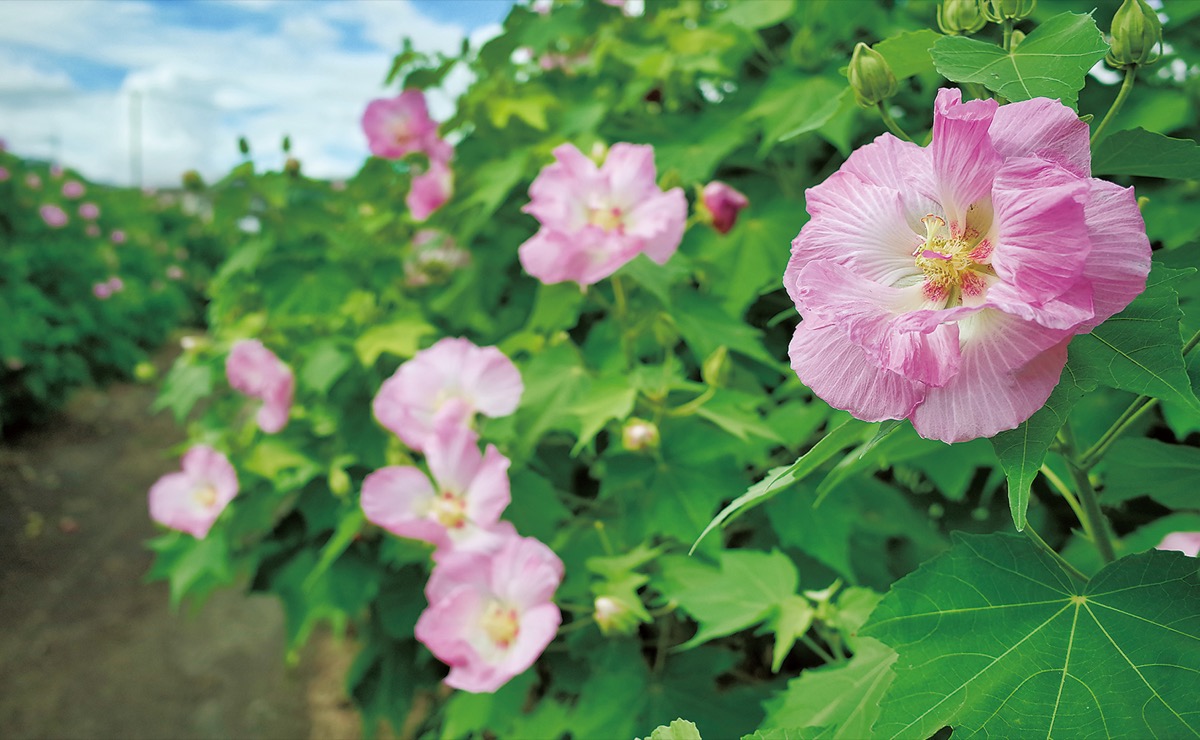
column 1136, row 30
column 960, row 17
column 871, row 77
column 998, row 11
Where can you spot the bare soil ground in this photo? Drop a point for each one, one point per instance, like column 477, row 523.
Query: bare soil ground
column 87, row 648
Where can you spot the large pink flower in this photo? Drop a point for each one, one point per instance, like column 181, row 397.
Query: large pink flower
column 1187, row 543
column 255, row 370
column 430, row 190
column 491, row 615
column 596, row 219
column 461, row 509
column 55, row 217
column 942, row 284
column 481, row 377
column 399, row 126
column 191, row 500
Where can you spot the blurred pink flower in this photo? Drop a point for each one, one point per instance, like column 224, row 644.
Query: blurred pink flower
column 33, row 181
column 942, row 284
column 430, row 190
column 56, row 171
column 175, row 272
column 491, row 615
column 191, row 500
column 116, row 284
column 1187, row 543
column 435, row 255
column 255, row 371
column 89, row 211
column 482, row 377
column 594, row 220
column 542, row 7
column 118, row 237
column 723, row 203
column 461, row 509
column 399, row 126
column 73, row 189
column 103, row 291
column 55, row 217
column 4, row 174
column 92, row 230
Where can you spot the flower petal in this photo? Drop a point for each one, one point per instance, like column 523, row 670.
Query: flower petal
column 964, row 160
column 526, row 572
column 901, row 166
column 629, row 173
column 397, row 499
column 558, row 195
column 659, row 221
column 490, row 381
column 1120, row 258
column 1043, row 128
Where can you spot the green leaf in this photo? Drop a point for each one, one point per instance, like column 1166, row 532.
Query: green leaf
column 680, row 729
column 908, row 53
column 778, row 479
column 604, row 399
column 760, row 14
column 1022, row 451
column 183, row 387
column 324, row 366
column 279, row 462
column 401, row 338
column 1147, row 154
column 843, row 697
column 1170, row 474
column 995, row 638
column 737, row 414
column 1140, row 349
column 1051, row 62
column 794, row 617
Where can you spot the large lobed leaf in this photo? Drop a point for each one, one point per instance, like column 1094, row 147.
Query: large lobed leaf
column 1050, row 63
column 994, row 637
column 1147, row 154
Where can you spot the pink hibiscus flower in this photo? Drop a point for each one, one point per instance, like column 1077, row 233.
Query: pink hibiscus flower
column 491, row 615
column 103, row 291
column 255, row 371
column 481, row 377
column 593, row 220
column 399, row 126
column 118, row 237
column 191, row 500
column 461, row 509
column 89, row 211
column 73, row 189
column 942, row 284
column 53, row 216
column 430, row 190
column 723, row 203
column 1187, row 543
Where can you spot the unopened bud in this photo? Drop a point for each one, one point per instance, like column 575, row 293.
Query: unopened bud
column 871, row 77
column 244, row 145
column 292, row 167
column 1136, row 30
column 720, row 205
column 960, row 17
column 639, row 435
column 998, row 11
column 715, row 368
column 616, row 617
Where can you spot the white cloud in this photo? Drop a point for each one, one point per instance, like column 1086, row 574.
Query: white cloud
column 202, row 87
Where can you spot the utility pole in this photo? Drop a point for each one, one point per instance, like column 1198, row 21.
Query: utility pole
column 135, row 138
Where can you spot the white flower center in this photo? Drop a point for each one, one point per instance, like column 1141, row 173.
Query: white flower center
column 450, row 510
column 205, row 496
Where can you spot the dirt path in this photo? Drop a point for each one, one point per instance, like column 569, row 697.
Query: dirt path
column 87, row 649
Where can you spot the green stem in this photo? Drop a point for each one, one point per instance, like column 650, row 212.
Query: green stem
column 1008, row 29
column 891, row 122
column 820, row 651
column 1057, row 484
column 690, row 407
column 1126, row 86
column 621, row 310
column 1062, row 562
column 1140, row 405
column 1094, row 517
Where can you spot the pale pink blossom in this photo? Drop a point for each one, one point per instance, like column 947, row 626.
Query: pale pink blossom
column 56, row 171
column 396, row 127
column 723, row 203
column 92, row 230
column 542, row 7
column 103, row 291
column 118, row 236
column 33, row 181
column 255, row 371
column 116, row 284
column 1187, row 543
column 174, row 272
column 55, row 217
column 942, row 284
column 596, row 219
column 484, row 379
column 491, row 615
column 191, row 500
column 435, row 255
column 73, row 189
column 460, row 509
column 89, row 211
column 4, row 174
column 430, row 190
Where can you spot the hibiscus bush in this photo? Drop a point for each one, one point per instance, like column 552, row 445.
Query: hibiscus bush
column 92, row 278
column 541, row 409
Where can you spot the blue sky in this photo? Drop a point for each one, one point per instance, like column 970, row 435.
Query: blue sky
column 208, row 71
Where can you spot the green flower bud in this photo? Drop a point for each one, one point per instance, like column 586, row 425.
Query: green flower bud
column 639, row 435
column 870, row 76
column 614, row 616
column 1136, row 30
column 960, row 17
column 1006, row 10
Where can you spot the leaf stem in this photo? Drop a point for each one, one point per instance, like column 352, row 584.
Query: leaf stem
column 621, row 310
column 1062, row 562
column 1057, row 484
column 891, row 122
column 1008, row 29
column 1093, row 517
column 821, row 652
column 1140, row 405
column 1126, row 86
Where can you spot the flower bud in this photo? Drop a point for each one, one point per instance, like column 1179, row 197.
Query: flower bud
column 960, row 17
column 1136, row 30
column 999, row 11
column 616, row 617
column 639, row 435
column 291, row 167
column 720, row 205
column 871, row 77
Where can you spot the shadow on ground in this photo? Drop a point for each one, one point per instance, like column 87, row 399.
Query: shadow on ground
column 91, row 651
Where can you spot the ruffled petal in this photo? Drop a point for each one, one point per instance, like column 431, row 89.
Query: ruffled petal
column 659, row 221
column 526, row 572
column 1041, row 236
column 1120, row 259
column 491, row 381
column 870, row 316
column 842, row 374
column 629, row 173
column 964, row 160
column 539, row 625
column 559, row 195
column 901, row 166
column 489, row 494
column 398, row 499
column 1009, row 367
column 554, row 257
column 1046, row 129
